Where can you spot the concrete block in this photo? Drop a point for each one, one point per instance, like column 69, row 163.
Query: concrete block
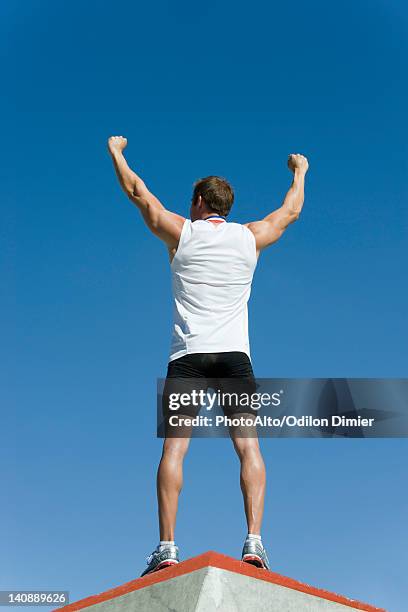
column 213, row 582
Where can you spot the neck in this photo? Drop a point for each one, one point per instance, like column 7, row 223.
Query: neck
column 212, row 216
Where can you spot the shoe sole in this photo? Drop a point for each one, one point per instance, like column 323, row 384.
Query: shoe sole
column 164, row 564
column 254, row 560
column 161, row 566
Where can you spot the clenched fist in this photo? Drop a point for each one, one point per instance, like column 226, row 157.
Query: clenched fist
column 116, row 143
column 298, row 162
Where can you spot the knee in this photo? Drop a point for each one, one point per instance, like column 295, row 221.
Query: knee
column 175, row 448
column 248, row 449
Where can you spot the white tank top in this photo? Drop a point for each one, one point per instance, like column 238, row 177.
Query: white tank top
column 212, row 273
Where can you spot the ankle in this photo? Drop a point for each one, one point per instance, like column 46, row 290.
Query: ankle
column 254, row 536
column 165, row 543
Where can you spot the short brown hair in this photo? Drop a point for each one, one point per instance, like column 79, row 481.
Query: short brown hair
column 216, row 192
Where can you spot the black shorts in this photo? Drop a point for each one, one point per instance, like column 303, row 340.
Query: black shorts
column 229, row 373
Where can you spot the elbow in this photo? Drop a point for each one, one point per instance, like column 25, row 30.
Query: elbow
column 129, row 190
column 136, row 189
column 132, row 191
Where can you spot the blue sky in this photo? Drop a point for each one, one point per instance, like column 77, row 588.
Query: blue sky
column 227, row 89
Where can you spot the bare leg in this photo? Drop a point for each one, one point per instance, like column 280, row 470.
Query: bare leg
column 169, row 483
column 253, row 480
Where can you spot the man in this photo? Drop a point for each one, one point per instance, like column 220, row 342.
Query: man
column 212, row 265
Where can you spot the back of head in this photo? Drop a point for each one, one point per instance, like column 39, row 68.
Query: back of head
column 216, row 192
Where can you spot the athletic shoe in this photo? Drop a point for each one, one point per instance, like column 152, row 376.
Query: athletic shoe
column 255, row 554
column 162, row 557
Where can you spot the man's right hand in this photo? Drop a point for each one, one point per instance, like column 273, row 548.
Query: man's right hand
column 116, row 144
column 298, row 162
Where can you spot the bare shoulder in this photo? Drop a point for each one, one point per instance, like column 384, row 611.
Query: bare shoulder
column 266, row 232
column 169, row 227
column 255, row 226
column 175, row 219
column 170, row 220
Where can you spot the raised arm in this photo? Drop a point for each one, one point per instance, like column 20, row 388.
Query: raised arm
column 161, row 222
column 270, row 229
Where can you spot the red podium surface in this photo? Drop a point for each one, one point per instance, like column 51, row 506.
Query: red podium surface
column 212, row 582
